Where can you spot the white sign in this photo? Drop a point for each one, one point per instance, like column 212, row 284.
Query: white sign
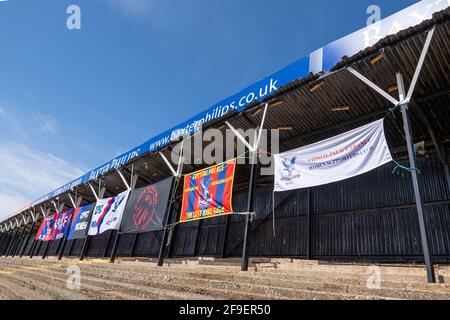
column 345, row 156
column 107, row 214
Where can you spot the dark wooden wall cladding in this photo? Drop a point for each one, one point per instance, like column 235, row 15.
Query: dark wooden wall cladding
column 368, row 218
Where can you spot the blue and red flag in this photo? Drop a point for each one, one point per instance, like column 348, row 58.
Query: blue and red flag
column 61, row 224
column 208, row 193
column 45, row 232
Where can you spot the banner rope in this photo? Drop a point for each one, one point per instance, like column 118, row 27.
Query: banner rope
column 251, row 214
column 392, row 111
column 409, row 169
column 399, row 166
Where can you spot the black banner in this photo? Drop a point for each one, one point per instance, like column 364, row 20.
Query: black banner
column 80, row 222
column 146, row 208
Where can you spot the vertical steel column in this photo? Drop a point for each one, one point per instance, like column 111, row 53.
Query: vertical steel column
column 250, row 208
column 419, row 200
column 13, row 238
column 44, row 255
column 28, row 239
column 415, row 181
column 197, row 237
column 112, row 258
column 308, row 224
column 134, row 244
column 225, row 238
column 20, row 242
column 167, row 218
column 2, row 242
column 84, row 248
column 33, row 246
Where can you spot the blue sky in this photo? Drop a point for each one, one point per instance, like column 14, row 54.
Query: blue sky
column 71, row 100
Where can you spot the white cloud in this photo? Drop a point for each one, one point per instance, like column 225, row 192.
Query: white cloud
column 46, row 124
column 11, row 123
column 28, row 173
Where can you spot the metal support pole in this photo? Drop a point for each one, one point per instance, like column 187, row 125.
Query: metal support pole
column 44, row 255
column 225, row 238
column 197, row 238
column 309, row 225
column 84, row 248
column 28, row 239
column 18, row 246
column 419, row 200
column 38, row 248
column 6, row 246
column 134, row 244
column 4, row 235
column 33, row 246
column 167, row 218
column 11, row 242
column 250, row 208
column 114, row 248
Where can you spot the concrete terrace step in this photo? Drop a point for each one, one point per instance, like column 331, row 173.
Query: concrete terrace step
column 276, row 274
column 159, row 290
column 99, row 288
column 269, row 287
column 217, row 288
column 318, row 282
column 48, row 290
column 202, row 279
column 388, row 280
column 319, row 285
column 247, row 285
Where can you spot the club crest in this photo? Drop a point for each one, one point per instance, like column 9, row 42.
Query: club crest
column 205, row 199
column 289, row 169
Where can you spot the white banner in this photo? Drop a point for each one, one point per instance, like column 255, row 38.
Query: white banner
column 345, row 156
column 107, row 214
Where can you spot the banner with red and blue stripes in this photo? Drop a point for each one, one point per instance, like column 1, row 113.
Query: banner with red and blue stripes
column 45, row 232
column 208, row 193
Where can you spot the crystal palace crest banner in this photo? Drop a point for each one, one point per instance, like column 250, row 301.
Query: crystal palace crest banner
column 344, row 156
column 45, row 232
column 146, row 208
column 208, row 193
column 107, row 214
column 62, row 224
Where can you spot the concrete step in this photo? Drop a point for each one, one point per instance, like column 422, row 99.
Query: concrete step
column 316, row 285
column 237, row 290
column 100, row 288
column 329, row 280
column 244, row 283
column 164, row 289
column 202, row 279
column 388, row 281
column 47, row 289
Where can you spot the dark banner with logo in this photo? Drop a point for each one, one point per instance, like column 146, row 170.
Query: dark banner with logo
column 146, row 208
column 80, row 222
